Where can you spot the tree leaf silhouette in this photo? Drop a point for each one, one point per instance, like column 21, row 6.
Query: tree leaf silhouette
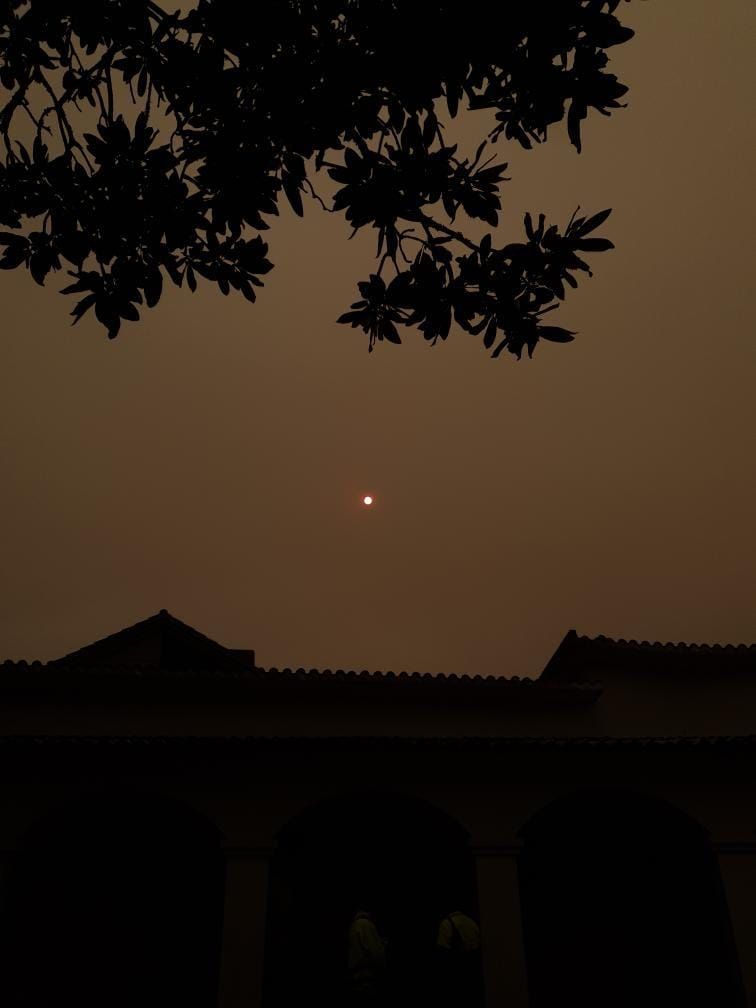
column 162, row 144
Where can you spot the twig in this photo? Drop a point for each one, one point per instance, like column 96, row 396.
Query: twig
column 70, row 142
column 316, row 196
column 429, row 222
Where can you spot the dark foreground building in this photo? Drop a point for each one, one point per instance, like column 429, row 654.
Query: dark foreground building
column 181, row 827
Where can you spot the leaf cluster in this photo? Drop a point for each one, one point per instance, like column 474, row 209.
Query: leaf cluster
column 162, row 144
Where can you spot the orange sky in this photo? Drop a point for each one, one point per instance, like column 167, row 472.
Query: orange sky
column 213, row 458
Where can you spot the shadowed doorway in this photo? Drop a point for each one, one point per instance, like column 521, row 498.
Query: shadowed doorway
column 623, row 906
column 395, row 856
column 117, row 902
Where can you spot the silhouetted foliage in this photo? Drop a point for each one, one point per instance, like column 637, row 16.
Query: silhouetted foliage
column 163, row 143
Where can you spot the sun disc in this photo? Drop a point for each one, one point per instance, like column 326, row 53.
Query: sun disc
column 367, row 500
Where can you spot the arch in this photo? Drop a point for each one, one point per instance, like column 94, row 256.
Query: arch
column 392, row 854
column 623, row 905
column 117, row 899
column 589, row 808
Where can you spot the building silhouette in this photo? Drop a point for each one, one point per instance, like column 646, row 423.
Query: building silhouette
column 181, row 826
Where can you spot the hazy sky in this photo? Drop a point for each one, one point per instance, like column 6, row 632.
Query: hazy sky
column 211, row 460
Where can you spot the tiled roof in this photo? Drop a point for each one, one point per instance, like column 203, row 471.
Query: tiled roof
column 69, row 665
column 163, row 648
column 34, row 678
column 60, row 669
column 666, row 646
column 593, row 658
column 160, row 642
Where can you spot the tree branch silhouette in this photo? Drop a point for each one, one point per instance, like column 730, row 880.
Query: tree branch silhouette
column 172, row 167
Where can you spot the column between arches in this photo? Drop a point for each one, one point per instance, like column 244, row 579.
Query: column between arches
column 500, row 910
column 244, row 923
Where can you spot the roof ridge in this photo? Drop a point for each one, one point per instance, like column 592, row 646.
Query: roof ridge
column 60, row 666
column 161, row 615
column 665, row 645
column 382, row 674
column 165, row 625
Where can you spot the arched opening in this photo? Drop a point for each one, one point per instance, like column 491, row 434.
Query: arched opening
column 117, row 902
column 399, row 858
column 623, row 906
